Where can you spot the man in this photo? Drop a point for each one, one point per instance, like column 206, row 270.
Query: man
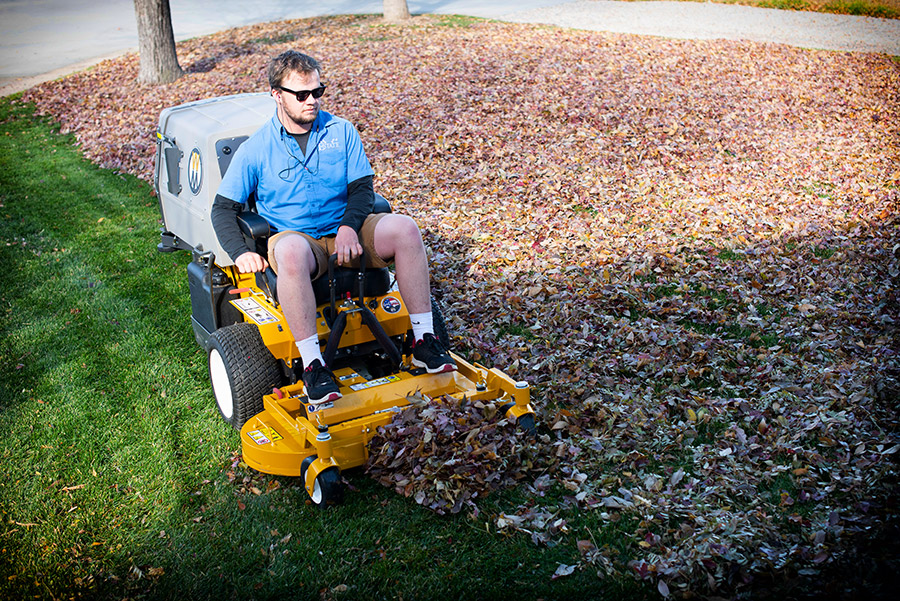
column 313, row 184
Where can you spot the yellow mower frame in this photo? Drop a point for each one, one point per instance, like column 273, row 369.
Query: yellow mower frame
column 290, row 437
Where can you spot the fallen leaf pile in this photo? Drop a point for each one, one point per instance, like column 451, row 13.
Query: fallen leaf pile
column 690, row 250
column 447, row 454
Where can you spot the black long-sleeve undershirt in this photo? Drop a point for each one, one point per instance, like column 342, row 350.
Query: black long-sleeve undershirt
column 360, row 201
column 224, row 221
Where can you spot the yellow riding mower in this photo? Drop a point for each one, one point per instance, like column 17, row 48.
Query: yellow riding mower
column 254, row 365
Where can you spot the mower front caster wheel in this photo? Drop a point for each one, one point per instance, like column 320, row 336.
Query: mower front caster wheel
column 526, row 425
column 328, row 488
column 524, row 422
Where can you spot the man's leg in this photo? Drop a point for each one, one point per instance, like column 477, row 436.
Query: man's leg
column 399, row 237
column 296, row 260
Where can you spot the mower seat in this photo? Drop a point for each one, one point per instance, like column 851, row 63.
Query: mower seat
column 377, row 280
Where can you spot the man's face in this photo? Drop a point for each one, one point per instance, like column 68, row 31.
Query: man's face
column 301, row 113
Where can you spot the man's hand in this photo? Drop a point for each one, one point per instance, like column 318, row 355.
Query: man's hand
column 250, row 262
column 346, row 245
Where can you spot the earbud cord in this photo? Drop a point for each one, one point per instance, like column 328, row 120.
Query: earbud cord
column 285, row 173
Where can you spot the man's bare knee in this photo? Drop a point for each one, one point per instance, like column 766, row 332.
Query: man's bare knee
column 408, row 229
column 294, row 255
column 395, row 233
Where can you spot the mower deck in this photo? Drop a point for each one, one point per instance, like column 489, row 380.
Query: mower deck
column 337, row 434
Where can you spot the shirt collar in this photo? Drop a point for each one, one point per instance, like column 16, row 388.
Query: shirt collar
column 323, row 121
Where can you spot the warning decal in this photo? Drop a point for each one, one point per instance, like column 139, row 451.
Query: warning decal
column 252, row 309
column 376, row 382
column 264, row 435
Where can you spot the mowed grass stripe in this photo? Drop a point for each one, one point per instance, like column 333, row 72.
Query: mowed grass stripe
column 103, row 386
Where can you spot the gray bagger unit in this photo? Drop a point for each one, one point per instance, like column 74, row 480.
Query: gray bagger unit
column 194, row 146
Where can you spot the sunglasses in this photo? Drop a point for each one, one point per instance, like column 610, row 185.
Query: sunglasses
column 302, row 95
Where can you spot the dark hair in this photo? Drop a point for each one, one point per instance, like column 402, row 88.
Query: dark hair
column 289, row 61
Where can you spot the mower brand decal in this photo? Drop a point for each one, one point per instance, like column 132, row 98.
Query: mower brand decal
column 252, row 309
column 195, row 171
column 376, row 382
column 390, row 304
column 264, row 435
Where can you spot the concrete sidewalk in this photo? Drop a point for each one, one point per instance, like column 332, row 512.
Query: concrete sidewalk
column 42, row 40
column 708, row 21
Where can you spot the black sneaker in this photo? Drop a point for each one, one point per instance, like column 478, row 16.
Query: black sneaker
column 430, row 354
column 321, row 387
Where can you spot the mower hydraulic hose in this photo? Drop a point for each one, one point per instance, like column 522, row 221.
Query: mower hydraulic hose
column 380, row 335
column 337, row 330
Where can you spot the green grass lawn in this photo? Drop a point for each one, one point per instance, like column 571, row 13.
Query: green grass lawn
column 118, row 476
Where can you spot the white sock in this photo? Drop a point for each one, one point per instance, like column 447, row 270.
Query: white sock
column 310, row 350
column 422, row 323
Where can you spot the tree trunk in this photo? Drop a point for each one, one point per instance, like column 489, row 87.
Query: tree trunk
column 395, row 11
column 156, row 42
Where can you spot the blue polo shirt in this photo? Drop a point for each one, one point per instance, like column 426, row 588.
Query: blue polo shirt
column 304, row 193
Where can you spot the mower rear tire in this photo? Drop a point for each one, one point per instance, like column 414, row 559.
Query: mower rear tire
column 241, row 371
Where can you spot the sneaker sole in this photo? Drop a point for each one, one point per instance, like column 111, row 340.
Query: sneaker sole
column 332, row 396
column 436, row 370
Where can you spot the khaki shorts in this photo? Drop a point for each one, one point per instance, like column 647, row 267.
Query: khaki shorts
column 324, row 247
